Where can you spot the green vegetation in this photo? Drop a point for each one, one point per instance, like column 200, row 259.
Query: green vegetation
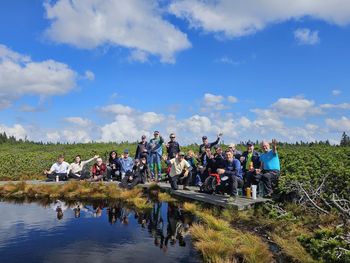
column 308, row 221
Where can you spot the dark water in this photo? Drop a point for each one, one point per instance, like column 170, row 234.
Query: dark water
column 99, row 232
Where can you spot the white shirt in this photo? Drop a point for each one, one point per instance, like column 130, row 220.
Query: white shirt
column 78, row 167
column 60, row 168
column 177, row 167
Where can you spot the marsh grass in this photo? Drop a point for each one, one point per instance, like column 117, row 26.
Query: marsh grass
column 219, row 241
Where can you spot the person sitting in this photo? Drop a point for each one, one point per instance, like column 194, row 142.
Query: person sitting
column 207, row 164
column 76, row 169
column 270, row 167
column 192, row 160
column 138, row 175
column 58, row 170
column 126, row 163
column 250, row 161
column 113, row 167
column 142, row 170
column 98, row 170
column 233, row 170
column 179, row 171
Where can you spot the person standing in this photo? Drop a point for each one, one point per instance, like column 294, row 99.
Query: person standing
column 141, row 147
column 172, row 147
column 156, row 152
column 206, row 143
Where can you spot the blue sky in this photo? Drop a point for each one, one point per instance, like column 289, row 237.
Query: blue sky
column 114, row 70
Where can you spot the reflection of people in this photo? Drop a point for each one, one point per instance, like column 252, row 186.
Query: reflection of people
column 59, row 213
column 76, row 169
column 59, row 207
column 59, row 168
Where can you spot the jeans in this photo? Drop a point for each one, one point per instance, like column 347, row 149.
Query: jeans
column 155, row 160
column 79, row 176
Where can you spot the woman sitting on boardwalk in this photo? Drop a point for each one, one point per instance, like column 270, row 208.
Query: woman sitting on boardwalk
column 76, row 169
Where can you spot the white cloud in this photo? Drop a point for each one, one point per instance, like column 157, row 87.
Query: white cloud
column 295, row 107
column 216, row 102
column 213, row 102
column 89, row 75
column 344, row 106
column 139, row 56
column 134, row 24
column 53, row 136
column 21, row 76
column 17, row 130
column 117, row 109
column 338, row 125
column 227, row 60
column 78, row 121
column 305, row 36
column 336, row 92
column 232, row 99
column 234, row 18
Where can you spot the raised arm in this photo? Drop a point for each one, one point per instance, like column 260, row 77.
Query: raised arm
column 274, row 145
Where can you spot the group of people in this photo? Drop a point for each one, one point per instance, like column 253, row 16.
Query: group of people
column 212, row 169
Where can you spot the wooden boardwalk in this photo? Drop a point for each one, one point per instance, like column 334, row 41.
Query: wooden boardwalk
column 239, row 203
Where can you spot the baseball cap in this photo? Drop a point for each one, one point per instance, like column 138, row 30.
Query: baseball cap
column 250, row 143
column 143, row 137
column 204, row 137
column 232, row 145
column 181, row 154
column 156, row 132
column 126, row 151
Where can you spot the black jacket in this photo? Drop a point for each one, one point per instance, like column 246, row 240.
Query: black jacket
column 255, row 160
column 172, row 149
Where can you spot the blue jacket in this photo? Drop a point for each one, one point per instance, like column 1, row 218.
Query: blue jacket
column 233, row 168
column 126, row 164
column 156, row 146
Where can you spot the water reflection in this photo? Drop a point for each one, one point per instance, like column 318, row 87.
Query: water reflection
column 99, row 231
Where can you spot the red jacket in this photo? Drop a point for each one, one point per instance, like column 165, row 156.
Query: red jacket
column 102, row 170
